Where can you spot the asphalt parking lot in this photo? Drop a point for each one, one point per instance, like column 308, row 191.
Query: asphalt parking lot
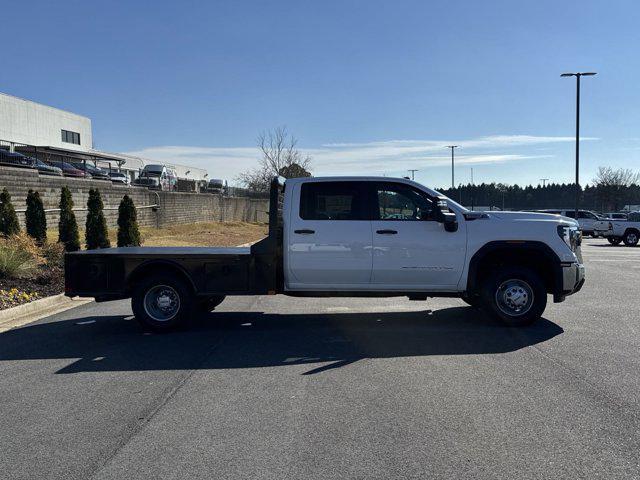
column 275, row 387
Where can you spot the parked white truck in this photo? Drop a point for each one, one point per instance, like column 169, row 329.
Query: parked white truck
column 589, row 223
column 352, row 236
column 627, row 231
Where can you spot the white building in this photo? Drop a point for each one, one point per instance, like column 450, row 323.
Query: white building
column 46, row 132
column 30, row 123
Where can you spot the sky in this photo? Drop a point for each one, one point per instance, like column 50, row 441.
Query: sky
column 367, row 87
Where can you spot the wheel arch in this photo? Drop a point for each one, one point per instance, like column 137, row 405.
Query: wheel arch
column 154, row 267
column 533, row 254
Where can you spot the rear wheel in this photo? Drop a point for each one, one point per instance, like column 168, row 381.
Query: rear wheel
column 614, row 240
column 162, row 303
column 515, row 295
column 631, row 238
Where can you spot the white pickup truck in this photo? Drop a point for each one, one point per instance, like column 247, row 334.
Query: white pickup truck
column 627, row 231
column 351, row 236
column 589, row 223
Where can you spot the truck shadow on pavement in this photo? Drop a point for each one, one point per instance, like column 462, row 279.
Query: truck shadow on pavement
column 226, row 340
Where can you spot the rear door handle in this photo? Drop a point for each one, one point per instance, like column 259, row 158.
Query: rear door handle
column 304, row 232
column 386, row 232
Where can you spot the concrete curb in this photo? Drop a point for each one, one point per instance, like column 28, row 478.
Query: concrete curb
column 32, row 311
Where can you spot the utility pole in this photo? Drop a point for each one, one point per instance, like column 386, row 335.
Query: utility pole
column 412, row 172
column 544, row 182
column 452, row 147
column 578, row 75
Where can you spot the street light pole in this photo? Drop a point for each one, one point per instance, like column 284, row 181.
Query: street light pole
column 544, row 182
column 453, row 184
column 412, row 172
column 578, row 75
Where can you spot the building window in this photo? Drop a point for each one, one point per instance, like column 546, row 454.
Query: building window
column 70, row 137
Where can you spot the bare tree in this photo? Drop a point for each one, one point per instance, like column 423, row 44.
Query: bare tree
column 280, row 156
column 612, row 185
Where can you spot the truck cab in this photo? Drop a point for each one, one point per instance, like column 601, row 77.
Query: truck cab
column 352, row 236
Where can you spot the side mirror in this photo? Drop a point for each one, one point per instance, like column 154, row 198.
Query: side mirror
column 450, row 222
column 444, row 216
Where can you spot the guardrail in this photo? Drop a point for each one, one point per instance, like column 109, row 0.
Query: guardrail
column 155, row 206
column 84, row 209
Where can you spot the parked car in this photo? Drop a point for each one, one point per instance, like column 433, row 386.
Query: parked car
column 626, row 231
column 335, row 237
column 69, row 170
column 16, row 159
column 119, row 177
column 157, row 177
column 616, row 215
column 215, row 185
column 45, row 169
column 590, row 223
column 95, row 172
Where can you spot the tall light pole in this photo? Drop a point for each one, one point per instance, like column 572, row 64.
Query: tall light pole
column 452, row 147
column 578, row 75
column 544, row 182
column 412, row 172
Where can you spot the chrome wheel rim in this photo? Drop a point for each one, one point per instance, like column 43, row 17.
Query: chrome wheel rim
column 632, row 238
column 162, row 303
column 514, row 297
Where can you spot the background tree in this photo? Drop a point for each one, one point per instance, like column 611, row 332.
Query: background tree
column 294, row 171
column 280, row 156
column 9, row 224
column 68, row 226
column 35, row 218
column 128, row 233
column 613, row 185
column 96, row 234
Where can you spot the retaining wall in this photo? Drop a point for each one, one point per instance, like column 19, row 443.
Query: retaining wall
column 174, row 207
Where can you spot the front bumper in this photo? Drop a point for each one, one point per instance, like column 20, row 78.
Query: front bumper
column 572, row 278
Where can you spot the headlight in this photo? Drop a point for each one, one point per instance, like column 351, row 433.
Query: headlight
column 570, row 235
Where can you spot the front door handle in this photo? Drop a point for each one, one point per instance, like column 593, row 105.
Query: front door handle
column 304, row 232
column 386, row 232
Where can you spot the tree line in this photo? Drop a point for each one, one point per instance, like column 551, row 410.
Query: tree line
column 96, row 233
column 610, row 191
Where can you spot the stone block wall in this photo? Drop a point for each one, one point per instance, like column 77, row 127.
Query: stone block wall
column 174, row 207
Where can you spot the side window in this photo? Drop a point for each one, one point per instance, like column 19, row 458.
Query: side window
column 332, row 201
column 397, row 201
column 571, row 214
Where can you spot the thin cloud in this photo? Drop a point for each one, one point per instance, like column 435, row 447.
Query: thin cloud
column 378, row 157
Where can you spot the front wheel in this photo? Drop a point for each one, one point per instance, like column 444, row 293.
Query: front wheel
column 614, row 240
column 515, row 295
column 631, row 238
column 162, row 303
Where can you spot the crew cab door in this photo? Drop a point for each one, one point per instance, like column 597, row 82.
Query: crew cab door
column 411, row 250
column 328, row 238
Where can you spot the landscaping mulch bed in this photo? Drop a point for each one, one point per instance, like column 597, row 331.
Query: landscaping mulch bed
column 44, row 282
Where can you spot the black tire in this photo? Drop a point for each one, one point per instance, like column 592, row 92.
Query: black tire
column 205, row 305
column 630, row 238
column 177, row 298
column 472, row 300
column 614, row 240
column 505, row 290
